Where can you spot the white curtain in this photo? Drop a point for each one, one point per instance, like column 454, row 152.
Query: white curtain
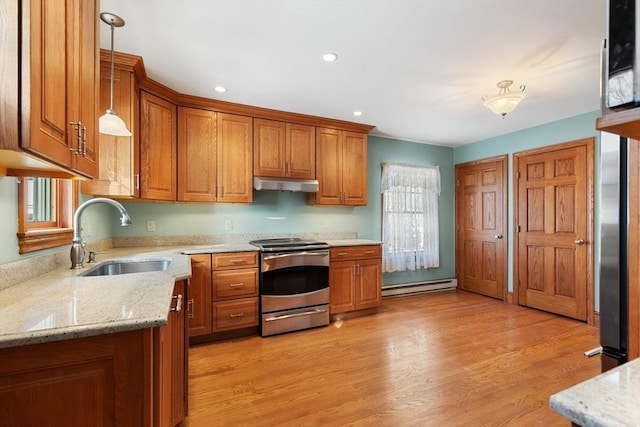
column 410, row 217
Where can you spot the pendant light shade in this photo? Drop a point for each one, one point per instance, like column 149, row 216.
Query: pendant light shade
column 109, row 122
column 505, row 101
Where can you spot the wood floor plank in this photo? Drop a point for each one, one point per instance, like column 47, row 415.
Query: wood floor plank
column 443, row 359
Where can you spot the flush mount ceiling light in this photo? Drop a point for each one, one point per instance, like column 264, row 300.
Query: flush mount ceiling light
column 505, row 101
column 220, row 89
column 330, row 57
column 357, row 113
column 109, row 122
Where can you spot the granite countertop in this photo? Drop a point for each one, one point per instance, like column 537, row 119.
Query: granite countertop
column 609, row 399
column 64, row 305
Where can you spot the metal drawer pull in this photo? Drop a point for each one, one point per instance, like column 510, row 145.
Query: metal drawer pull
column 178, row 307
column 237, row 261
column 305, row 313
column 234, row 315
column 342, row 253
column 368, row 252
column 236, row 285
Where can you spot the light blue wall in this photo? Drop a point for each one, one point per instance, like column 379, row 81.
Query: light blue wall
column 573, row 128
column 206, row 219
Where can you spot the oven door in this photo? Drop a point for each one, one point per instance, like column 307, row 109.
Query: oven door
column 294, row 280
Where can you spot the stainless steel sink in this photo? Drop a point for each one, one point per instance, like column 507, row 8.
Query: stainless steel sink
column 111, row 268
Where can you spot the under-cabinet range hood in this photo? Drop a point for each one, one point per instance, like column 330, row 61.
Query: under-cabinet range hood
column 285, row 184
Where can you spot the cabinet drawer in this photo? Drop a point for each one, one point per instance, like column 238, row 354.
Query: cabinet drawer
column 356, row 252
column 229, row 284
column 235, row 314
column 230, row 260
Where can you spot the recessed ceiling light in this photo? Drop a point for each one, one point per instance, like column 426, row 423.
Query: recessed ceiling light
column 220, row 89
column 330, row 57
column 357, row 113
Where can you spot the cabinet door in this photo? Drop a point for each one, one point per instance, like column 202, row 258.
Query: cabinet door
column 269, row 154
column 235, row 158
column 157, row 148
column 171, row 364
column 118, row 169
column 199, row 303
column 328, row 166
column 87, row 84
column 301, row 151
column 53, row 83
column 369, row 283
column 354, row 169
column 196, row 155
column 341, row 287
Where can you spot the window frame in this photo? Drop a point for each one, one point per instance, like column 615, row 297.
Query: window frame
column 36, row 236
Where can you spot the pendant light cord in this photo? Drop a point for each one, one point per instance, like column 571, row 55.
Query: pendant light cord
column 112, row 70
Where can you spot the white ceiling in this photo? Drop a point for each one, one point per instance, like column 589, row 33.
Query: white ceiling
column 416, row 68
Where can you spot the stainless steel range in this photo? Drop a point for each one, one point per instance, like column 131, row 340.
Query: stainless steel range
column 294, row 284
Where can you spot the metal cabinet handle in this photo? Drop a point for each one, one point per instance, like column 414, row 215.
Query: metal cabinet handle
column 237, row 261
column 234, row 315
column 236, row 285
column 498, row 236
column 579, row 242
column 593, row 352
column 178, row 307
column 190, row 308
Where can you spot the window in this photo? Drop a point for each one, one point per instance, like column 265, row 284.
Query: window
column 45, row 213
column 410, row 217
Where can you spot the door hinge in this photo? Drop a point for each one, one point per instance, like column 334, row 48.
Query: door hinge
column 518, row 229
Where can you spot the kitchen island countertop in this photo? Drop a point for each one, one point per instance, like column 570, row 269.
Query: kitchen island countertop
column 606, row 400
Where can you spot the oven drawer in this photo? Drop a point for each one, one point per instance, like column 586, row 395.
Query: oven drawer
column 235, row 314
column 229, row 284
column 294, row 320
column 229, row 260
column 356, row 252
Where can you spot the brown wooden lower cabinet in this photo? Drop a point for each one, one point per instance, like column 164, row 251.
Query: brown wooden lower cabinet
column 134, row 378
column 223, row 295
column 355, row 278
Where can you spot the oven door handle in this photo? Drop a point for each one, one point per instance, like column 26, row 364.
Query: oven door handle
column 304, row 313
column 294, row 254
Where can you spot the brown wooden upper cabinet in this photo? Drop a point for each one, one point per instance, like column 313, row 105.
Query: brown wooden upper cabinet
column 119, row 166
column 341, row 168
column 284, row 150
column 215, row 152
column 50, row 69
column 157, row 148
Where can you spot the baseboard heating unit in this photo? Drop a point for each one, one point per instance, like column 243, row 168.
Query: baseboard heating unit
column 404, row 289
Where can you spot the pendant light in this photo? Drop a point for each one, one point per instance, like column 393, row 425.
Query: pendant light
column 110, row 123
column 505, row 101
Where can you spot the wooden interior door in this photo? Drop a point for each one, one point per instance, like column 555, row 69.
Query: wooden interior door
column 481, row 264
column 554, row 233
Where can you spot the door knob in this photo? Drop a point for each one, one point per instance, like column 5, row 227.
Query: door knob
column 498, row 236
column 579, row 242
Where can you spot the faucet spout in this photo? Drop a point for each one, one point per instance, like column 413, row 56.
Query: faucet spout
column 77, row 245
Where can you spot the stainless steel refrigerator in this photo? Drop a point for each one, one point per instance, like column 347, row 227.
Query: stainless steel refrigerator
column 613, row 249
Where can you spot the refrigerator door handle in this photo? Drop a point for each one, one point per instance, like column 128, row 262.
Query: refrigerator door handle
column 593, row 352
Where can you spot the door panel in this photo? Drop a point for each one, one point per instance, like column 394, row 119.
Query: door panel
column 552, row 222
column 480, row 227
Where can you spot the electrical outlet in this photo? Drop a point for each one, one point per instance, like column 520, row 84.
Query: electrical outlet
column 228, row 225
column 327, row 223
column 151, row 225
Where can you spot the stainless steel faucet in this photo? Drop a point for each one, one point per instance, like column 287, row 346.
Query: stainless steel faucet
column 77, row 246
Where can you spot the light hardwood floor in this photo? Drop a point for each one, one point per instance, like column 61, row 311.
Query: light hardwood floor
column 442, row 359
